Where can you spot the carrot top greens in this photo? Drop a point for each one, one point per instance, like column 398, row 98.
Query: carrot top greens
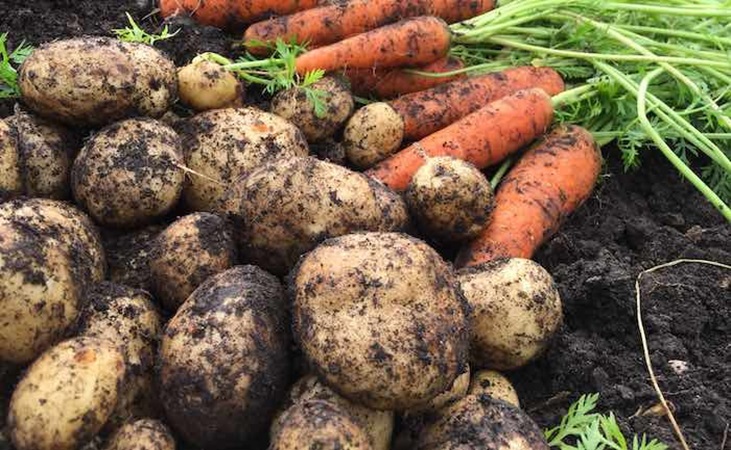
column 9, row 62
column 133, row 33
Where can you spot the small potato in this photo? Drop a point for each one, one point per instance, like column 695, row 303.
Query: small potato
column 380, row 319
column 129, row 173
column 495, row 385
column 205, row 85
column 450, row 199
column 128, row 255
column 456, row 391
column 479, row 422
column 296, row 105
column 186, row 253
column 319, row 424
column 372, row 134
column 378, row 425
column 143, row 434
column 66, row 396
column 10, row 181
column 39, row 296
column 224, row 359
column 228, row 143
column 516, row 309
column 106, row 80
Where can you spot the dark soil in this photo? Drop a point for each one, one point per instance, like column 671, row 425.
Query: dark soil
column 633, row 222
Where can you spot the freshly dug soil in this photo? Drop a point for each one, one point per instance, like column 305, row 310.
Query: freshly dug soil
column 633, row 222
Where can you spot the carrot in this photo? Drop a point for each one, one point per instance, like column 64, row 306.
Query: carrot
column 230, row 13
column 549, row 182
column 395, row 82
column 410, row 42
column 483, row 137
column 329, row 24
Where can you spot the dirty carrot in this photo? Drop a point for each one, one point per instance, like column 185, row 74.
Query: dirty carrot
column 229, row 13
column 549, row 182
column 410, row 42
column 332, row 23
column 483, row 137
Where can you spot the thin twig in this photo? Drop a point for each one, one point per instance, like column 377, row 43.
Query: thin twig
column 645, row 347
column 725, row 436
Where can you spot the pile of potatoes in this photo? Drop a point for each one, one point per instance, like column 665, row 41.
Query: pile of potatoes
column 207, row 281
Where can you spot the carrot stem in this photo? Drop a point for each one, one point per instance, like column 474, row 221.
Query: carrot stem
column 502, row 170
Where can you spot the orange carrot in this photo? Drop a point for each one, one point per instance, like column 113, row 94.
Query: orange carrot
column 231, row 13
column 395, row 82
column 410, row 42
column 483, row 138
column 333, row 23
column 549, row 182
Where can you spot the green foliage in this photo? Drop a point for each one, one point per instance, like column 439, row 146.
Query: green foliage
column 9, row 62
column 583, row 429
column 133, row 33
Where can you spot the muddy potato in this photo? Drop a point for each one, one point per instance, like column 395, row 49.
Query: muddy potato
column 372, row 134
column 205, row 85
column 286, row 208
column 495, row 385
column 39, row 296
column 296, row 105
column 380, row 319
column 516, row 309
column 378, row 425
column 106, row 80
column 479, row 422
column 319, row 424
column 454, row 392
column 66, row 396
column 129, row 319
column 10, row 180
column 129, row 173
column 449, row 199
column 224, row 144
column 128, row 255
column 224, row 359
column 186, row 253
column 143, row 434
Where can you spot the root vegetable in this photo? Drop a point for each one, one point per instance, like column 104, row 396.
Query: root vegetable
column 231, row 13
column 494, row 384
column 205, row 85
column 143, row 434
column 10, row 180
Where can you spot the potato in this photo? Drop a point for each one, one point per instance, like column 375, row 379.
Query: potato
column 70, row 228
column 143, row 434
column 319, row 424
column 128, row 255
column 66, row 396
column 516, row 309
column 129, row 173
column 287, row 207
column 205, row 85
column 10, row 180
column 380, row 319
column 480, row 422
column 224, row 359
column 296, row 105
column 106, row 80
column 187, row 252
column 450, row 199
column 454, row 392
column 373, row 133
column 378, row 425
column 129, row 319
column 39, row 296
column 495, row 385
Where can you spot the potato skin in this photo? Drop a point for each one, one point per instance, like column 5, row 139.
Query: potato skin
column 106, row 80
column 516, row 309
column 143, row 434
column 78, row 379
column 224, row 359
column 128, row 255
column 224, row 144
column 127, row 175
column 315, row 424
column 205, row 85
column 495, row 385
column 380, row 319
column 39, row 296
column 10, row 180
column 186, row 253
column 373, row 133
column 285, row 208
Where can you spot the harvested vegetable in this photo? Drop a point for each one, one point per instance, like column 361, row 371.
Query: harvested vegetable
column 205, row 85
column 482, row 138
column 494, row 384
column 143, row 434
column 231, row 13
column 11, row 184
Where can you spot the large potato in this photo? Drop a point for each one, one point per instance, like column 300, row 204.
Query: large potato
column 39, row 296
column 380, row 319
column 224, row 359
column 143, row 434
column 129, row 173
column 128, row 255
column 66, row 396
column 287, row 207
column 96, row 80
column 516, row 309
column 187, row 252
column 224, row 144
column 10, row 180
